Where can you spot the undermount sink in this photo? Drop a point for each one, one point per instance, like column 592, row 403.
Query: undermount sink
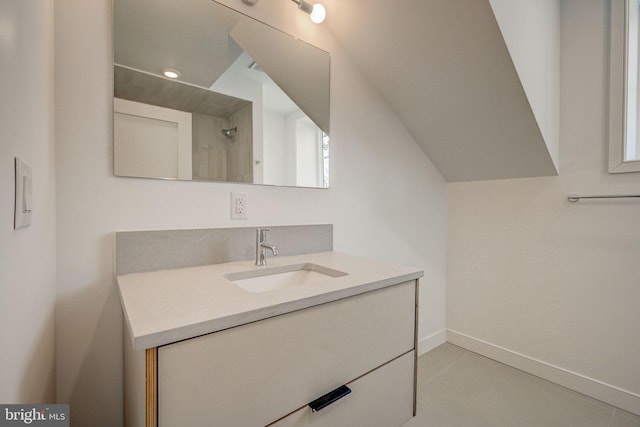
column 279, row 277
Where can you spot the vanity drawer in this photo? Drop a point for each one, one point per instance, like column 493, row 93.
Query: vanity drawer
column 382, row 398
column 254, row 374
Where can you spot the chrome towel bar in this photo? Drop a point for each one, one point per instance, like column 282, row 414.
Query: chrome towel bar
column 574, row 197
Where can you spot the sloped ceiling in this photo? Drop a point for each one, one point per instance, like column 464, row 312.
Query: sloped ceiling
column 444, row 68
column 189, row 36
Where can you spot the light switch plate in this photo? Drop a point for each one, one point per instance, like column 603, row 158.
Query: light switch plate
column 23, row 196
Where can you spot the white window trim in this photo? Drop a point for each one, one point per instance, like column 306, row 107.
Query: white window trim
column 617, row 90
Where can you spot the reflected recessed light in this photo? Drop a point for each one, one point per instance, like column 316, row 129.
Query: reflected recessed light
column 171, row 73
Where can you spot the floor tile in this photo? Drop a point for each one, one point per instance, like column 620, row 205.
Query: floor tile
column 624, row 419
column 475, row 391
column 439, row 359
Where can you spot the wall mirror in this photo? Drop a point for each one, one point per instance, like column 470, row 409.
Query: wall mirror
column 250, row 103
column 624, row 95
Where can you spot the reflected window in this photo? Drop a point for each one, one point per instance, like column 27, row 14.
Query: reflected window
column 325, row 160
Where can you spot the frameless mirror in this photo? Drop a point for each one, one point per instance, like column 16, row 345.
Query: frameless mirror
column 624, row 129
column 250, row 104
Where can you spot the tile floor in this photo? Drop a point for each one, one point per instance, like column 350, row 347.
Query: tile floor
column 458, row 388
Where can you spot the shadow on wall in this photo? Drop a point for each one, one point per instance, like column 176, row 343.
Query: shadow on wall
column 39, row 381
column 90, row 377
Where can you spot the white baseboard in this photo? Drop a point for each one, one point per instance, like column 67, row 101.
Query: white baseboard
column 432, row 341
column 607, row 393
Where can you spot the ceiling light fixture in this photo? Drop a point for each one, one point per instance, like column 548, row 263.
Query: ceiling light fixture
column 171, row 73
column 317, row 12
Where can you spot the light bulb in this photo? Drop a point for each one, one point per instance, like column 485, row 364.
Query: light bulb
column 171, row 73
column 318, row 14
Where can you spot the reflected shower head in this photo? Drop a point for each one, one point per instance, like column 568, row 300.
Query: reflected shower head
column 229, row 132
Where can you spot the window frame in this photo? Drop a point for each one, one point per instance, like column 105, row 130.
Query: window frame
column 618, row 62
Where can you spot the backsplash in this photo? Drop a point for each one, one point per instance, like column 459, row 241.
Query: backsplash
column 140, row 251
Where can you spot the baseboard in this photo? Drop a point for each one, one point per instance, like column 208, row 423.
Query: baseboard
column 607, row 393
column 432, row 341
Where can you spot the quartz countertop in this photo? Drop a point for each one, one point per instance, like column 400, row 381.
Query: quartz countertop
column 166, row 306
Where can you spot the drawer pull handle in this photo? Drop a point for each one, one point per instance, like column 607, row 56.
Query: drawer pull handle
column 329, row 398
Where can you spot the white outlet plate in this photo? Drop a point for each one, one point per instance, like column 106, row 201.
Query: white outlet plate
column 23, row 197
column 239, row 205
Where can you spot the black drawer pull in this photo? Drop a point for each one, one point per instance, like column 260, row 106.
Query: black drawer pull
column 329, row 398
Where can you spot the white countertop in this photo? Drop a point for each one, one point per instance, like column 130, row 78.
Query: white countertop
column 165, row 306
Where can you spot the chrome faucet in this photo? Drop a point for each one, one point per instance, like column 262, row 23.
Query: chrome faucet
column 261, row 245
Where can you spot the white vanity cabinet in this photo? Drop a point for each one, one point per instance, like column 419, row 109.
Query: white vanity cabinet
column 381, row 398
column 266, row 372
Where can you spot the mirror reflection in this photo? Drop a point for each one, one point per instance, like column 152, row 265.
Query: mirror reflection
column 249, row 104
column 631, row 150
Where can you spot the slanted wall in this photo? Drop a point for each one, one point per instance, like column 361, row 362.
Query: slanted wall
column 531, row 31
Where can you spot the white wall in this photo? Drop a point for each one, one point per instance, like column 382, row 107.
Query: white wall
column 27, row 256
column 531, row 30
column 387, row 201
column 308, row 146
column 274, row 154
column 532, row 275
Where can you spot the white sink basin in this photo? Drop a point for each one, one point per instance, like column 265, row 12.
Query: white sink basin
column 279, row 277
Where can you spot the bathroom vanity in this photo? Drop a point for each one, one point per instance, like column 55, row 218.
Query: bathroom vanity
column 237, row 345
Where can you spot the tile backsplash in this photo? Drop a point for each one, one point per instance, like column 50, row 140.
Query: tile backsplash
column 139, row 251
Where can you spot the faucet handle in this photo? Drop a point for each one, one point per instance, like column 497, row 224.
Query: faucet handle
column 261, row 233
